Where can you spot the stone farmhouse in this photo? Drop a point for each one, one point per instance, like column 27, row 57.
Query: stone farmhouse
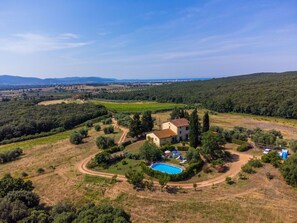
column 172, row 131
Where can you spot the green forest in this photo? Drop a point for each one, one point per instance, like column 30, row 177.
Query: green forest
column 25, row 118
column 270, row 94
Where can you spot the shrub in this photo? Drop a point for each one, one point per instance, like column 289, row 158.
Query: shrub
column 272, row 157
column 269, row 176
column 192, row 155
column 229, row 180
column 10, row 155
column 97, row 128
column 102, row 159
column 248, row 169
column 84, row 132
column 242, row 176
column 133, row 156
column 289, row 170
column 124, row 162
column 293, row 145
column 107, row 121
column 150, row 152
column 114, row 149
column 89, row 124
column 255, row 163
column 126, row 143
column 76, row 138
column 108, row 130
column 243, row 147
column 40, row 170
column 104, row 142
column 135, row 178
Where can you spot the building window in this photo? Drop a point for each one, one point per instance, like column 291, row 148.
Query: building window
column 187, row 128
column 180, row 132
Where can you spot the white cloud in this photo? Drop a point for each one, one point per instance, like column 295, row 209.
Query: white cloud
column 30, row 42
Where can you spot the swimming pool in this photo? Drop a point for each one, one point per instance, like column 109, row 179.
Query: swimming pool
column 165, row 168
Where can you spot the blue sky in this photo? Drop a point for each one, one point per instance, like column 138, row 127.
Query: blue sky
column 147, row 38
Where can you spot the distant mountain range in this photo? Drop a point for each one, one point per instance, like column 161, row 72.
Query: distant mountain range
column 10, row 80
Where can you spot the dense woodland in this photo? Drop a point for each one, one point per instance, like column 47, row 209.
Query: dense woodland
column 25, row 118
column 270, row 94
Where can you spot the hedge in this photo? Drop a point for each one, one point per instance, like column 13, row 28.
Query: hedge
column 183, row 148
column 190, row 171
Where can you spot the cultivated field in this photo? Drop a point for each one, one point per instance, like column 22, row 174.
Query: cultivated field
column 136, row 106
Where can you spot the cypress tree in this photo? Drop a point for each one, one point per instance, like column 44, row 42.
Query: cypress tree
column 135, row 128
column 147, row 121
column 194, row 129
column 205, row 122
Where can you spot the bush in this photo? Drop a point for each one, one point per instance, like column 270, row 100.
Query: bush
column 269, row 176
column 102, row 159
column 40, row 171
column 255, row 163
column 126, row 143
column 248, row 169
column 108, row 130
column 243, row 147
column 272, row 157
column 135, row 178
column 124, row 162
column 10, row 155
column 107, row 121
column 76, row 138
column 104, row 142
column 293, row 145
column 150, row 152
column 133, row 156
column 289, row 170
column 229, row 180
column 84, row 132
column 89, row 124
column 192, row 155
column 114, row 149
column 97, row 128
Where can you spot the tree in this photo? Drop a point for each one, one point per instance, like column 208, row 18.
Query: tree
column 163, row 180
column 102, row 158
column 205, row 122
column 194, row 134
column 150, row 152
column 8, row 183
column 272, row 157
column 179, row 113
column 97, row 128
column 135, row 128
column 76, row 138
column 109, row 129
column 84, row 132
column 103, row 142
column 147, row 121
column 289, row 170
column 192, row 155
column 210, row 145
column 135, row 178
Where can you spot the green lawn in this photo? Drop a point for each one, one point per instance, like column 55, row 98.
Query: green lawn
column 136, row 106
column 134, row 147
column 120, row 168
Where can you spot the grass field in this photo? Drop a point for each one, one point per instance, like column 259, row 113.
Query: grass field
column 136, row 106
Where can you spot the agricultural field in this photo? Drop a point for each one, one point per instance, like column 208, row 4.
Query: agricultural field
column 120, row 106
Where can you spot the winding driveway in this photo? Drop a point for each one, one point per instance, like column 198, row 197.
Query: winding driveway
column 239, row 159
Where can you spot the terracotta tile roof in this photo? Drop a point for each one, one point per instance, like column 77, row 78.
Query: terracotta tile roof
column 180, row 122
column 163, row 134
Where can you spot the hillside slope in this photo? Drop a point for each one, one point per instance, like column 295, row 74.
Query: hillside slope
column 271, row 94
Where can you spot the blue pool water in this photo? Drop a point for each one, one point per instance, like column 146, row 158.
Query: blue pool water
column 165, row 168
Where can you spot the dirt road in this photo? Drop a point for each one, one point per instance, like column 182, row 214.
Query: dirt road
column 239, row 159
